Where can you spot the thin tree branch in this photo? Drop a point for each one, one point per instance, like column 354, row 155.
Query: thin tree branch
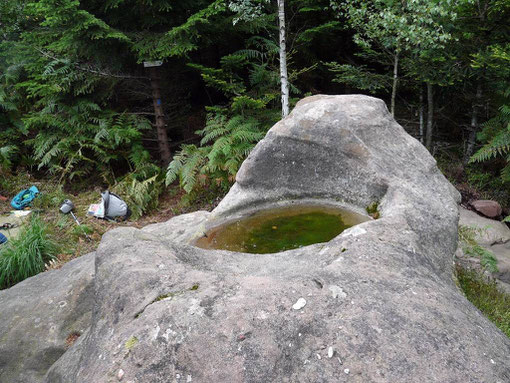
column 89, row 70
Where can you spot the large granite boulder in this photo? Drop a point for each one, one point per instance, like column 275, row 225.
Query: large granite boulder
column 40, row 318
column 376, row 304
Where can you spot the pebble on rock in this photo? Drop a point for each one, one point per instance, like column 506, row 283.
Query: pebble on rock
column 337, row 292
column 120, row 374
column 301, row 302
column 330, row 352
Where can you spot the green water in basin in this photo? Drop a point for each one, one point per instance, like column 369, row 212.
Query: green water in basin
column 275, row 230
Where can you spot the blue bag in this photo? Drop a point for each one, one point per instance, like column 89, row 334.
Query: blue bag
column 3, row 239
column 24, row 198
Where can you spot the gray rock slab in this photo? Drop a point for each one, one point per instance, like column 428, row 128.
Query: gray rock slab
column 12, row 219
column 495, row 237
column 38, row 314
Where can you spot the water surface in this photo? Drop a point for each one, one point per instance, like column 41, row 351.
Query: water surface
column 275, row 230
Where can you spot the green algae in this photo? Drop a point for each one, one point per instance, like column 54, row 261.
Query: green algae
column 281, row 229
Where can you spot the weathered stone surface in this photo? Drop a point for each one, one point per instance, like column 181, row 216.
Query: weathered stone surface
column 489, row 231
column 381, row 305
column 38, row 314
column 491, row 209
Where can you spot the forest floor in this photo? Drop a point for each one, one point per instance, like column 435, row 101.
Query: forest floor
column 79, row 240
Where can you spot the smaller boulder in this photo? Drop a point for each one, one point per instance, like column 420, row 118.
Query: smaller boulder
column 488, row 231
column 488, row 208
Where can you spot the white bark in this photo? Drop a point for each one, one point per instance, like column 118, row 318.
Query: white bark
column 283, row 59
column 395, row 82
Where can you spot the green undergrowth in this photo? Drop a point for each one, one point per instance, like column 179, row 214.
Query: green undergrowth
column 145, row 194
column 486, row 296
column 27, row 255
column 474, row 180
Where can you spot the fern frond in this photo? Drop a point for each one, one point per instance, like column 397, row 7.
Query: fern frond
column 498, row 146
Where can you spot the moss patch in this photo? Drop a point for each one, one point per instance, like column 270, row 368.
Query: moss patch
column 130, row 343
column 373, row 210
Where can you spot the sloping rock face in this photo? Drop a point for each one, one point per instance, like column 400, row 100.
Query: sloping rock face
column 375, row 304
column 38, row 315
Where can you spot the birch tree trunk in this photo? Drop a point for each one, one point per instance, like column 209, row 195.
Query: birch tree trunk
column 422, row 127
column 430, row 116
column 283, row 59
column 470, row 148
column 395, row 82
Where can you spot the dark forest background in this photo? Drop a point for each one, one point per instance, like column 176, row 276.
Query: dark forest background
column 77, row 104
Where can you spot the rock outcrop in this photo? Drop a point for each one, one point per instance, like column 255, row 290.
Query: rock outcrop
column 375, row 304
column 40, row 318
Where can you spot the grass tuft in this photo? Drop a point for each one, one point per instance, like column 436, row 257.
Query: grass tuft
column 485, row 295
column 27, row 255
column 471, row 247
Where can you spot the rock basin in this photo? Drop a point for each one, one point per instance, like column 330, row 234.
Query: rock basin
column 276, row 229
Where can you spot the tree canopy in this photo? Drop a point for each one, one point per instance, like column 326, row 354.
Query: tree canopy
column 76, row 99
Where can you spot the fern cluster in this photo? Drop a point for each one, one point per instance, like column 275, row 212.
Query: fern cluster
column 471, row 247
column 225, row 144
column 6, row 153
column 76, row 140
column 250, row 80
column 141, row 189
column 496, row 135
